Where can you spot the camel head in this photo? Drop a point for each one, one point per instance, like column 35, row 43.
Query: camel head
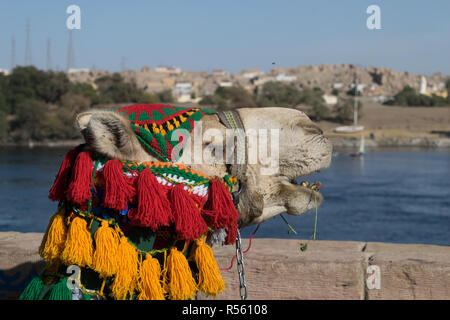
column 282, row 144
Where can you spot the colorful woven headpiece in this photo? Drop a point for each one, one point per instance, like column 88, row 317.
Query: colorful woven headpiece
column 136, row 230
column 162, row 129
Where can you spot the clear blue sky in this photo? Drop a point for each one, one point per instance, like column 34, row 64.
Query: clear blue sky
column 232, row 34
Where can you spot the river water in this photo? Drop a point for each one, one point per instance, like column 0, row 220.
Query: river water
column 390, row 195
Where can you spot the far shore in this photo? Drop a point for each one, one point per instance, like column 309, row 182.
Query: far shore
column 384, row 126
column 372, row 141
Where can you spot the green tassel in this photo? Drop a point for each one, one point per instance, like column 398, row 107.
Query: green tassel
column 86, row 296
column 33, row 289
column 60, row 291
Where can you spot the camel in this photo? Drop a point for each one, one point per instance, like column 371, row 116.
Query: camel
column 302, row 150
column 185, row 206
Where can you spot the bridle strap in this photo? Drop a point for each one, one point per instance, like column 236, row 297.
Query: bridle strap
column 238, row 165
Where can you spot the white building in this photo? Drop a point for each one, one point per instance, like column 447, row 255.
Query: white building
column 284, row 78
column 168, row 70
column 330, row 99
column 182, row 88
column 423, row 85
column 263, row 80
column 4, row 71
column 79, row 70
column 359, row 88
column 226, row 84
column 220, row 73
column 250, row 74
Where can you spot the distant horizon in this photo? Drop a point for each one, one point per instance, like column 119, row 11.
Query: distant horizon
column 139, row 69
column 203, row 35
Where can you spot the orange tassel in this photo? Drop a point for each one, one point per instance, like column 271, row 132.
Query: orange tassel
column 125, row 281
column 209, row 278
column 149, row 284
column 55, row 237
column 106, row 245
column 78, row 247
column 181, row 285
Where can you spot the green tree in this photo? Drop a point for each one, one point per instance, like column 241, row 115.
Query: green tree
column 148, row 98
column 114, row 89
column 86, row 90
column 30, row 114
column 4, row 104
column 74, row 102
column 3, row 124
column 277, row 94
column 166, row 96
column 53, row 86
column 59, row 125
column 409, row 97
column 229, row 98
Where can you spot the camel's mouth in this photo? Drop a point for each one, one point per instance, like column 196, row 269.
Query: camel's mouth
column 312, row 198
column 315, row 186
column 313, row 189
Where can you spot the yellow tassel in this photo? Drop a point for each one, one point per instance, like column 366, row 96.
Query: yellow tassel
column 53, row 242
column 181, row 285
column 209, row 278
column 105, row 256
column 125, row 280
column 149, row 284
column 78, row 247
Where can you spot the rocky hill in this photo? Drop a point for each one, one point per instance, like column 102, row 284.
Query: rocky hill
column 373, row 81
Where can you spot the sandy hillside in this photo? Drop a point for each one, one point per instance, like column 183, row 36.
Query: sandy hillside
column 394, row 121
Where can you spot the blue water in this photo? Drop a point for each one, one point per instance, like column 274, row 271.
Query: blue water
column 393, row 195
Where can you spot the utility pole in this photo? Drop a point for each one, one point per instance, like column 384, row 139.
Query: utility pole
column 122, row 64
column 49, row 56
column 13, row 52
column 70, row 55
column 28, row 59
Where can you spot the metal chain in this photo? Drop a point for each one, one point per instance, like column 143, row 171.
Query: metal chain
column 241, row 267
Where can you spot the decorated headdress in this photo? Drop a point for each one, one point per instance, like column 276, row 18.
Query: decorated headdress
column 162, row 129
column 136, row 230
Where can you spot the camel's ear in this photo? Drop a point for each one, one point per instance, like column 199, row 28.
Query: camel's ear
column 111, row 135
column 82, row 120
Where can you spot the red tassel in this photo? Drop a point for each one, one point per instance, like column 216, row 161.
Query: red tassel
column 119, row 189
column 79, row 190
column 58, row 189
column 221, row 209
column 153, row 207
column 189, row 223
